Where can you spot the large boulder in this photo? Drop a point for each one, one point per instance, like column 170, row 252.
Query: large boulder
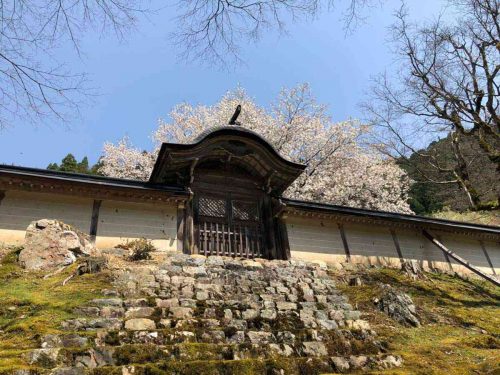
column 51, row 244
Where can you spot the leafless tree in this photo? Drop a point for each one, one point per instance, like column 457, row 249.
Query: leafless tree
column 34, row 87
column 214, row 30
column 447, row 84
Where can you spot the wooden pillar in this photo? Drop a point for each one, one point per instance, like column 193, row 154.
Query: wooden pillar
column 181, row 216
column 2, row 196
column 269, row 228
column 282, row 239
column 94, row 221
column 280, row 230
column 188, row 241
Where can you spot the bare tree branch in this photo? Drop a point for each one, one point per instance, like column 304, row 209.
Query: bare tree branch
column 213, row 31
column 33, row 87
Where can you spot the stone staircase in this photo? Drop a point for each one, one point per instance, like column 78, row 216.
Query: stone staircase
column 215, row 315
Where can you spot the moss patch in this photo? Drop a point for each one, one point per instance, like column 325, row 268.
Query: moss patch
column 460, row 322
column 139, row 353
column 33, row 306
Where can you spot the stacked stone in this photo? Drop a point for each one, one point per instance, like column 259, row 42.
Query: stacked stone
column 230, row 309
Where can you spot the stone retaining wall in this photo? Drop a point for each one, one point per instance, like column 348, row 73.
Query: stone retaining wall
column 181, row 313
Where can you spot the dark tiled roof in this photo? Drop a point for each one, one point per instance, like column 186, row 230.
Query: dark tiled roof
column 391, row 216
column 85, row 178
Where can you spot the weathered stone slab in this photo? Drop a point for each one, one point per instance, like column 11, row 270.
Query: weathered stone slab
column 140, row 324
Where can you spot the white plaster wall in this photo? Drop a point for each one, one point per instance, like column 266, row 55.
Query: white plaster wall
column 122, row 221
column 316, row 239
column 416, row 247
column 372, row 242
column 470, row 249
column 18, row 209
column 312, row 239
column 118, row 221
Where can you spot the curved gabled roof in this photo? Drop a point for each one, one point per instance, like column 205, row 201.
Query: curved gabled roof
column 248, row 148
column 240, row 130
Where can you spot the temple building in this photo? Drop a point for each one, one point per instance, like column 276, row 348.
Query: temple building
column 222, row 195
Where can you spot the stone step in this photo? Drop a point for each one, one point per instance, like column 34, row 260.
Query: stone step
column 191, row 314
column 103, row 356
column 170, row 313
column 279, row 322
column 195, row 334
column 290, row 365
column 143, row 347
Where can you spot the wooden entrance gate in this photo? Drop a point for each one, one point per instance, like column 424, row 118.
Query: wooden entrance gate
column 229, row 225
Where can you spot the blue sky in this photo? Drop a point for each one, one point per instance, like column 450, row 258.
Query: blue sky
column 140, row 79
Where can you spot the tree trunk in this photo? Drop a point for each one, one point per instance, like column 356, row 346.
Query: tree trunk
column 462, row 174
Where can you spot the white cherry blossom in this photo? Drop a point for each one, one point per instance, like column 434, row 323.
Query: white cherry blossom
column 341, row 168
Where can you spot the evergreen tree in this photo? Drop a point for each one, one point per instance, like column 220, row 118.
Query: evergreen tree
column 83, row 166
column 70, row 164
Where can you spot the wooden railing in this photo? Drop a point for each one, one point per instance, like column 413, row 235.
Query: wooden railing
column 236, row 240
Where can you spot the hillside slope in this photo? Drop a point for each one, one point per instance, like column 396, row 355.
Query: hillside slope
column 459, row 334
column 478, row 217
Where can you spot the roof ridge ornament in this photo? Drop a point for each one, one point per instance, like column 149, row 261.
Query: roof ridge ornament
column 234, row 117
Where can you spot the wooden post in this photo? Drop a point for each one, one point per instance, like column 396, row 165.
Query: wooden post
column 2, row 195
column 269, row 229
column 344, row 242
column 189, row 246
column 459, row 259
column 180, row 226
column 396, row 243
column 282, row 237
column 279, row 229
column 94, row 221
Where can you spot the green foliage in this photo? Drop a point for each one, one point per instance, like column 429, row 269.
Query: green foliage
column 70, row 164
column 424, row 198
column 427, row 197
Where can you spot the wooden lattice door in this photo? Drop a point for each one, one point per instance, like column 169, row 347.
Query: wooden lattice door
column 228, row 225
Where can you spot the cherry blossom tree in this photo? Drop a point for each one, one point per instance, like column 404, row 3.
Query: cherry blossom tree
column 123, row 160
column 341, row 169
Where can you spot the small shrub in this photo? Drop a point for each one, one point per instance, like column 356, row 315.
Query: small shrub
column 140, row 249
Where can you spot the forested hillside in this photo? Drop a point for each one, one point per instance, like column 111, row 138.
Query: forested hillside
column 427, row 197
